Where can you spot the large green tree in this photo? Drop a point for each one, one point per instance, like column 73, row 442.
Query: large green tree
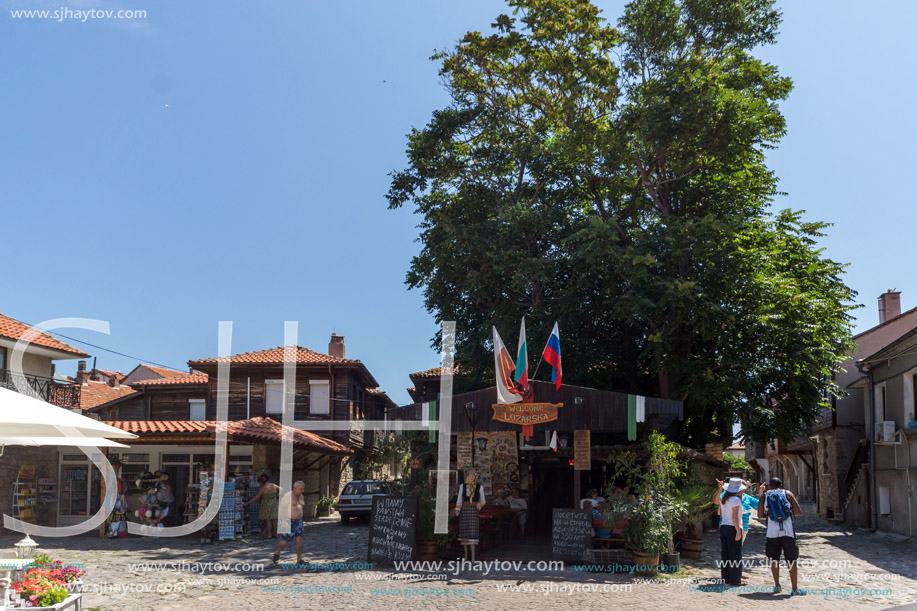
column 614, row 179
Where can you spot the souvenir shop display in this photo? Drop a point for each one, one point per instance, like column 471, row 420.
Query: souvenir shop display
column 192, row 503
column 156, row 498
column 25, row 495
column 254, row 523
column 117, row 521
column 226, row 517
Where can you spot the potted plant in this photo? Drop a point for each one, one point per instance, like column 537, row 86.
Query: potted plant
column 698, row 503
column 324, row 506
column 42, row 589
column 648, row 530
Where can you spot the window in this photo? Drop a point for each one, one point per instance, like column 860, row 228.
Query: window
column 273, row 396
column 113, row 413
column 319, row 397
column 2, row 358
column 197, row 409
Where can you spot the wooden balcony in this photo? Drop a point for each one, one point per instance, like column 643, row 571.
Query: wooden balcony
column 40, row 387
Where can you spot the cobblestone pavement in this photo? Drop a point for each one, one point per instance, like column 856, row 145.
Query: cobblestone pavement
column 841, row 560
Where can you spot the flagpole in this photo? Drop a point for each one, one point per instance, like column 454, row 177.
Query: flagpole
column 540, row 359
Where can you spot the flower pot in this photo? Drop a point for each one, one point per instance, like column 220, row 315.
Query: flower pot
column 427, row 550
column 71, row 603
column 323, row 510
column 74, row 587
column 692, row 548
column 646, row 564
column 670, row 563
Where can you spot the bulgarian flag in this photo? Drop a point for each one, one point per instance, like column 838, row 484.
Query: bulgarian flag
column 552, row 356
column 503, row 364
column 522, row 360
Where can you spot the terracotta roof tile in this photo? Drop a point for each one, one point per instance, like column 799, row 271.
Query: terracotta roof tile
column 375, row 391
column 94, row 394
column 267, row 429
column 275, row 356
column 139, row 427
column 166, row 372
column 13, row 329
column 253, row 430
column 183, row 380
column 435, row 372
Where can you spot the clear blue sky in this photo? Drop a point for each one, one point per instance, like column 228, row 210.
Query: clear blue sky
column 257, row 195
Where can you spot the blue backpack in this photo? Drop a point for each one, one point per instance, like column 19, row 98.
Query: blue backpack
column 776, row 506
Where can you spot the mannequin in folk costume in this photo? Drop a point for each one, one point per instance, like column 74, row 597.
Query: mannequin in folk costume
column 469, row 501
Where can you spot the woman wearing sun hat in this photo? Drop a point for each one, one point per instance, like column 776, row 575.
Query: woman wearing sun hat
column 731, row 532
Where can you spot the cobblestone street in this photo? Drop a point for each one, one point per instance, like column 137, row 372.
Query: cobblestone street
column 834, row 558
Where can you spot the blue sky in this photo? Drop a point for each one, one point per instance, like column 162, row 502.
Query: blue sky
column 228, row 161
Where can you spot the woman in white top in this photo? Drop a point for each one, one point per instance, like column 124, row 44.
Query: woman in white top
column 731, row 533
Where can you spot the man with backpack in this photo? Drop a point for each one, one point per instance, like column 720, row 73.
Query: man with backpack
column 779, row 506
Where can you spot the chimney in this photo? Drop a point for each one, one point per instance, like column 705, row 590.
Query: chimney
column 336, row 346
column 82, row 376
column 889, row 305
column 113, row 382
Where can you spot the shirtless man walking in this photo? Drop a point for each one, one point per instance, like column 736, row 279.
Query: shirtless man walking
column 291, row 510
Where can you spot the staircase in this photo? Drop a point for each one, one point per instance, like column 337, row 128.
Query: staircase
column 855, row 473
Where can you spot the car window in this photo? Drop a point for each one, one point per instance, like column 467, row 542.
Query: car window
column 375, row 488
column 354, row 488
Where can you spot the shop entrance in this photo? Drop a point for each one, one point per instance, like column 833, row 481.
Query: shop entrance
column 551, row 486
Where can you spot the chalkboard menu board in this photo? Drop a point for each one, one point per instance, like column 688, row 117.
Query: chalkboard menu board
column 392, row 529
column 571, row 533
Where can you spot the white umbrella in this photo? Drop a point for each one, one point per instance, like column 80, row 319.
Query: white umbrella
column 22, row 416
column 97, row 442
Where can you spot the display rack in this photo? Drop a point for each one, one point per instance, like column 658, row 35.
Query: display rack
column 25, row 495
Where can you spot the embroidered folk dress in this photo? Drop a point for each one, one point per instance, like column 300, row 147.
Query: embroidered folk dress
column 469, row 530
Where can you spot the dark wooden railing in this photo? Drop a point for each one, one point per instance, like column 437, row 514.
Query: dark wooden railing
column 41, row 387
column 860, row 457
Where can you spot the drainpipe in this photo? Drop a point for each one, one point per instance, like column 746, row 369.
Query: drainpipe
column 907, row 473
column 248, row 399
column 872, row 446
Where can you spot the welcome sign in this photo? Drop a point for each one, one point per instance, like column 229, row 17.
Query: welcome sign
column 526, row 413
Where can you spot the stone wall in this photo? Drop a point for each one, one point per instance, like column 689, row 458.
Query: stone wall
column 46, row 462
column 829, row 501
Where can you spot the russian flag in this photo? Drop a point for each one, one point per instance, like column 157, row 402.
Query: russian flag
column 552, row 356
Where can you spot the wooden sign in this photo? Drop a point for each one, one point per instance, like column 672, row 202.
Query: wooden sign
column 571, row 533
column 582, row 450
column 415, row 463
column 526, row 413
column 463, row 451
column 392, row 529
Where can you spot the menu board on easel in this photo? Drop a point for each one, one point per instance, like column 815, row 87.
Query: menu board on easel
column 392, row 529
column 463, row 451
column 571, row 533
column 582, row 450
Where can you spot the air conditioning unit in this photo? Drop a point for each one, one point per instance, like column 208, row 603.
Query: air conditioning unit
column 885, row 431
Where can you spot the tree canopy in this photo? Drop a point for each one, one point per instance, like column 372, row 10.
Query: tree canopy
column 615, row 179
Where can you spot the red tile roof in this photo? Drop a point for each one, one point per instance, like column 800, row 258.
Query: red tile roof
column 183, row 380
column 13, row 329
column 267, row 429
column 253, row 430
column 375, row 391
column 95, row 394
column 139, row 427
column 275, row 356
column 435, row 372
column 111, row 374
column 166, row 372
